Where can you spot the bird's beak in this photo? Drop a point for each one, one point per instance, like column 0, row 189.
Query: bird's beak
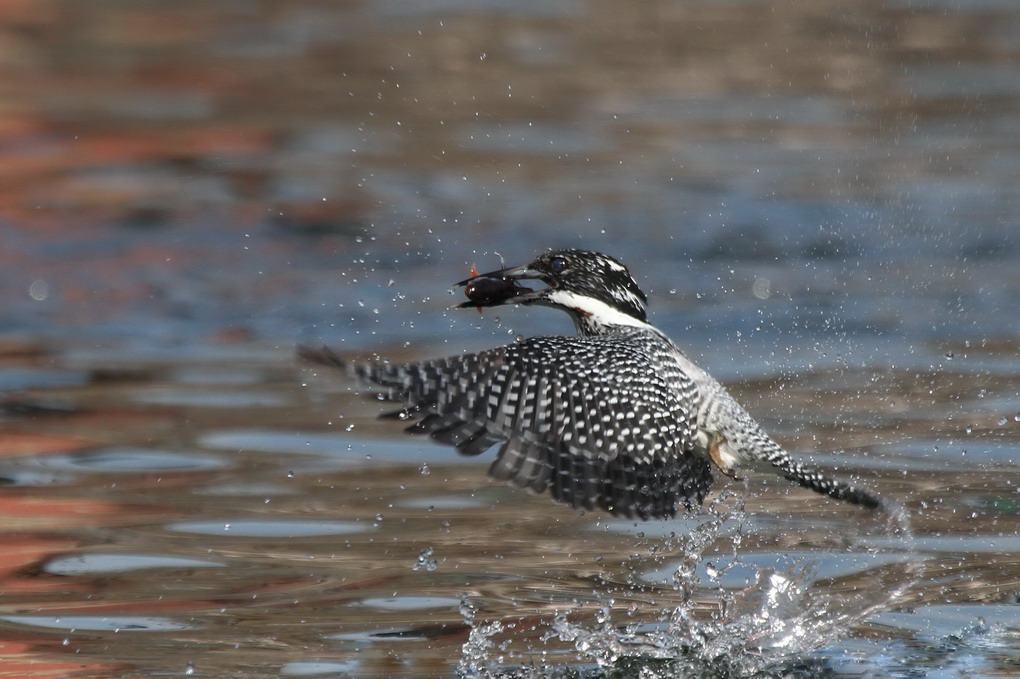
column 498, row 287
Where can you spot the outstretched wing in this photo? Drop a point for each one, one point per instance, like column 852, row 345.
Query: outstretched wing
column 590, row 419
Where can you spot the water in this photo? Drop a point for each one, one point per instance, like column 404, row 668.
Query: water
column 821, row 201
column 707, row 628
column 145, row 539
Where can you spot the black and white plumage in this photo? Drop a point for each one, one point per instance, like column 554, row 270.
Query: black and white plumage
column 615, row 418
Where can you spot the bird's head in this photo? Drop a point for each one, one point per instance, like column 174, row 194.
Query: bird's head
column 596, row 290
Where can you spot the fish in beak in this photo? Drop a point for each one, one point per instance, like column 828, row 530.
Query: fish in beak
column 498, row 287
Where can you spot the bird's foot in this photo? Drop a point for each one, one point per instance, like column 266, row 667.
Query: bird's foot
column 716, row 442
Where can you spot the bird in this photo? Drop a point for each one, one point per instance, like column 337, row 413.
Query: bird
column 615, row 417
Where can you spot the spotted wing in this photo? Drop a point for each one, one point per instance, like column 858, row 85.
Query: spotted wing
column 592, row 420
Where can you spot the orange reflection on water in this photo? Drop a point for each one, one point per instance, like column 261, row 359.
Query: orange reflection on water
column 20, row 659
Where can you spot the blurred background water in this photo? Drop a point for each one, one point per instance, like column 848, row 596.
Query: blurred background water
column 820, row 198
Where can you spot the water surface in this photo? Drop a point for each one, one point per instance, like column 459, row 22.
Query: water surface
column 821, row 200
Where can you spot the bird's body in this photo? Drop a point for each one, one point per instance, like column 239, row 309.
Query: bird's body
column 616, row 417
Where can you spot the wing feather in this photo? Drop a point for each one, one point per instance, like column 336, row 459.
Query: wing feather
column 594, row 420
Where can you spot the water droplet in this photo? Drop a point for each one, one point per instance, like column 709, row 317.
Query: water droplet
column 425, row 562
column 1003, row 420
column 39, row 290
column 969, row 429
column 424, row 469
column 467, row 611
column 189, row 669
column 950, row 356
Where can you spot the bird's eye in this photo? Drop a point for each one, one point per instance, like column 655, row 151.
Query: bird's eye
column 557, row 264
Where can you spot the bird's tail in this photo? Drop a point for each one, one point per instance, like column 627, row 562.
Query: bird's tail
column 820, row 483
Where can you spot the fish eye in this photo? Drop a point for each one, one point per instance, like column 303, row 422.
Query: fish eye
column 557, row 264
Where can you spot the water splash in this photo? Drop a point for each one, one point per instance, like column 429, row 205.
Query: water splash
column 425, row 561
column 709, row 630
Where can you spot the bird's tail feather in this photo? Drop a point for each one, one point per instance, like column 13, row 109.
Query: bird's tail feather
column 820, row 483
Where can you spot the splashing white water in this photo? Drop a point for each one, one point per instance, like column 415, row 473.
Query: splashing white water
column 777, row 619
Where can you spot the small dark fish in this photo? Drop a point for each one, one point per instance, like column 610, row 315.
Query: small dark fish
column 490, row 289
column 485, row 291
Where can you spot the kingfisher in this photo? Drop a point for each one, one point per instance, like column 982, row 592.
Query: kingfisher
column 616, row 417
